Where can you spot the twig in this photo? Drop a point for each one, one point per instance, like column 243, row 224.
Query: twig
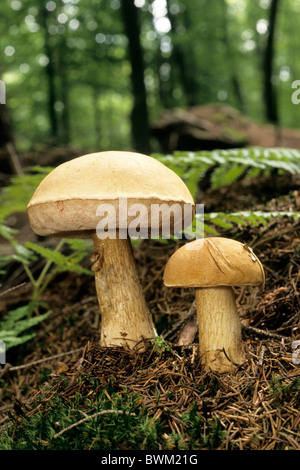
column 12, row 289
column 23, row 366
column 90, row 417
column 288, row 322
column 267, row 333
column 261, row 356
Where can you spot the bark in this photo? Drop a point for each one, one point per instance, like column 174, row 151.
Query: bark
column 125, row 318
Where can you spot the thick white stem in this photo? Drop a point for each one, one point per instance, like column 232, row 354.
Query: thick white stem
column 220, row 339
column 125, row 318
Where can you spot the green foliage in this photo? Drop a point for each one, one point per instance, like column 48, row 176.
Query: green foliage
column 121, row 425
column 212, row 222
column 210, row 53
column 217, row 220
column 16, row 328
column 15, row 196
column 54, row 262
column 70, row 262
column 227, row 166
column 161, row 345
column 210, row 436
column 283, row 392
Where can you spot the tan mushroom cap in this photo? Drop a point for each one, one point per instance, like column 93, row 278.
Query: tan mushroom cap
column 67, row 199
column 212, row 262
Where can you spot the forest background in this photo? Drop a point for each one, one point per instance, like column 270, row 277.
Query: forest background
column 96, row 74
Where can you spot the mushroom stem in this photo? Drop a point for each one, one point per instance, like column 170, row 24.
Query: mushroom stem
column 220, row 338
column 125, row 318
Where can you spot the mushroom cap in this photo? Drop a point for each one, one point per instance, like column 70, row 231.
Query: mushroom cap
column 66, row 201
column 211, row 262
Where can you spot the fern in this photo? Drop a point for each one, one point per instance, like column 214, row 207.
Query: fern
column 214, row 221
column 63, row 262
column 15, row 196
column 227, row 166
column 16, row 322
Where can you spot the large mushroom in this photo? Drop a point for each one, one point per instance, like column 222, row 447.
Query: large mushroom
column 212, row 266
column 98, row 195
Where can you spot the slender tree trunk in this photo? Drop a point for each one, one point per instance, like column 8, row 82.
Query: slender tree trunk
column 5, row 127
column 50, row 71
column 9, row 159
column 139, row 114
column 97, row 116
column 183, row 60
column 64, row 93
column 235, row 82
column 270, row 94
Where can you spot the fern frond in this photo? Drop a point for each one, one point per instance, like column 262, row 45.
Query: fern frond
column 227, row 166
column 222, row 220
column 17, row 322
column 15, row 196
column 213, row 223
column 64, row 262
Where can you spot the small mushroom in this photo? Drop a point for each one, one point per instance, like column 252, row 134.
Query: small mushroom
column 66, row 204
column 212, row 266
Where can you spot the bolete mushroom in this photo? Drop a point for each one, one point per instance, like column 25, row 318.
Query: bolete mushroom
column 69, row 202
column 212, row 266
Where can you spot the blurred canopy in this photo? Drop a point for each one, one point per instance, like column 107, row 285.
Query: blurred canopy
column 95, row 74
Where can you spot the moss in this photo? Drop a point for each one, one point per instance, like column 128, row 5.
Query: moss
column 122, row 425
column 284, row 391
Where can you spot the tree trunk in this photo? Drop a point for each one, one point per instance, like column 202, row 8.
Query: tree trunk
column 9, row 159
column 139, row 114
column 50, row 71
column 64, row 93
column 5, row 127
column 270, row 95
column 182, row 59
column 234, row 78
column 97, row 115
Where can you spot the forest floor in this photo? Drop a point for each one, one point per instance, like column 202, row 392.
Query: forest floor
column 218, row 126
column 254, row 408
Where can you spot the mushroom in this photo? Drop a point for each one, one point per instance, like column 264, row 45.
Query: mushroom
column 212, row 266
column 69, row 202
